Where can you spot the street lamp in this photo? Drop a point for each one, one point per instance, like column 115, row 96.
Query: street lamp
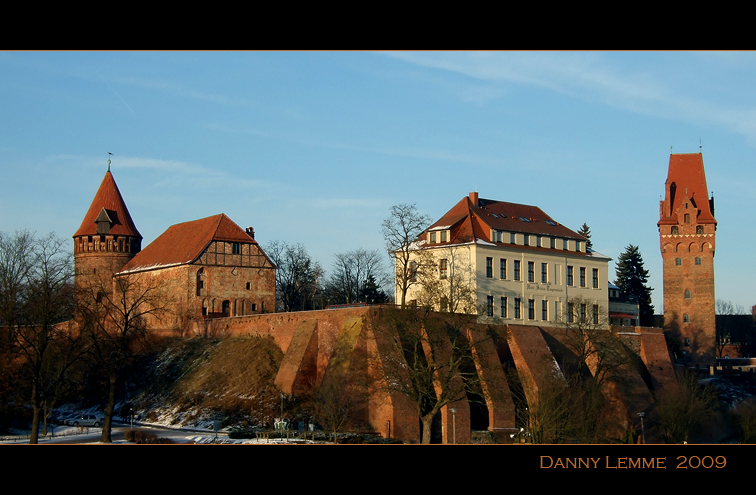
column 454, row 424
column 643, row 431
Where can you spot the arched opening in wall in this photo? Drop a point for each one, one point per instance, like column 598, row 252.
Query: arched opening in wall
column 243, row 308
column 687, row 293
column 226, row 307
column 200, row 281
column 699, row 229
column 479, row 419
column 204, row 307
column 236, row 307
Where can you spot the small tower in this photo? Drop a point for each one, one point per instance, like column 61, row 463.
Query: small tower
column 687, row 235
column 107, row 238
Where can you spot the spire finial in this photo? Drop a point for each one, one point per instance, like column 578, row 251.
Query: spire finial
column 670, row 150
column 109, row 155
column 700, row 146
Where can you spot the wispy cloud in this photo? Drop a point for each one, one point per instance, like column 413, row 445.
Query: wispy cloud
column 601, row 77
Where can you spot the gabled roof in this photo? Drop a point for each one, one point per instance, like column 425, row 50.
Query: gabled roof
column 472, row 219
column 109, row 198
column 183, row 243
column 686, row 177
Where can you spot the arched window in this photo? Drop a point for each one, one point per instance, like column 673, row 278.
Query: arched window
column 687, row 218
column 687, row 294
column 699, row 229
column 674, row 231
column 226, row 307
column 686, row 319
column 200, row 281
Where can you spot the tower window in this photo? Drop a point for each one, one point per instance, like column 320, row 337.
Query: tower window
column 675, row 231
column 699, row 229
column 235, row 248
column 687, row 294
column 698, row 261
column 687, row 218
column 686, row 319
column 678, row 261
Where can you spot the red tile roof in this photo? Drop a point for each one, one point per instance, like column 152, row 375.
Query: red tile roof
column 109, row 197
column 184, row 242
column 686, row 177
column 473, row 218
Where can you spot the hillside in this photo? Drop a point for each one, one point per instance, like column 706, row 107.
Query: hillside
column 193, row 382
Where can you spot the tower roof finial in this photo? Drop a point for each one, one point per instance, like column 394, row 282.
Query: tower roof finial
column 109, row 155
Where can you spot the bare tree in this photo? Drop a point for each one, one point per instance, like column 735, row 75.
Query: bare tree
column 298, row 277
column 352, row 272
column 446, row 279
column 426, row 357
column 114, row 319
column 46, row 342
column 401, row 230
column 681, row 412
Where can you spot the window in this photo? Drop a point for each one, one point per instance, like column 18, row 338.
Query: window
column 595, row 278
column 502, row 268
column 489, row 305
column 517, row 308
column 517, row 269
column 443, row 236
column 698, row 261
column 538, row 241
column 582, row 276
column 595, row 314
column 553, row 243
column 531, row 271
column 687, row 294
column 489, row 267
column 699, row 229
column 674, row 231
column 200, row 281
column 248, row 285
column 432, row 237
column 526, row 239
column 544, row 310
column 235, row 248
column 577, row 246
column 531, row 309
column 564, row 244
column 512, row 238
column 503, row 307
column 686, row 319
column 444, row 304
column 443, row 268
column 544, row 273
column 569, row 276
column 687, row 217
column 413, row 271
column 678, row 261
column 570, row 312
column 582, row 313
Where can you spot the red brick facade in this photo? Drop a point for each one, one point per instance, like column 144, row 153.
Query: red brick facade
column 203, row 268
column 687, row 234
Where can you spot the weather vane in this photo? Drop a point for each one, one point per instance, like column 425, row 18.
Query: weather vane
column 109, row 155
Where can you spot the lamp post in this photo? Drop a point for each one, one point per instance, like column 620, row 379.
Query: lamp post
column 454, row 424
column 643, row 431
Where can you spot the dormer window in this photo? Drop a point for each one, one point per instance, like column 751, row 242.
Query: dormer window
column 432, row 237
column 443, row 236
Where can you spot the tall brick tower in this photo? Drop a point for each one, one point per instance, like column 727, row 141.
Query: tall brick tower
column 107, row 238
column 687, row 235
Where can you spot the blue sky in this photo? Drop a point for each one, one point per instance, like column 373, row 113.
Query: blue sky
column 314, row 147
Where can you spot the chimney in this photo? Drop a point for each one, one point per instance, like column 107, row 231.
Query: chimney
column 474, row 198
column 251, row 232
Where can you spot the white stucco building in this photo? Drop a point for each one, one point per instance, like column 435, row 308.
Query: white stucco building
column 508, row 261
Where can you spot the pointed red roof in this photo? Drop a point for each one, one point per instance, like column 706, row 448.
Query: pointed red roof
column 108, row 197
column 184, row 242
column 686, row 177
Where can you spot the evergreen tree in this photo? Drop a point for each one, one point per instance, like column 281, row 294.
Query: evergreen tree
column 632, row 278
column 585, row 231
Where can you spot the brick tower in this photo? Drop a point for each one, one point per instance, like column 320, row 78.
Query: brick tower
column 107, row 238
column 687, row 235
